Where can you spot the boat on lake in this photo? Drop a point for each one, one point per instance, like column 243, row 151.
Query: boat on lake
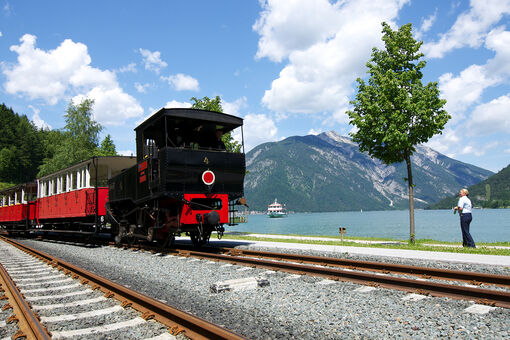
column 276, row 209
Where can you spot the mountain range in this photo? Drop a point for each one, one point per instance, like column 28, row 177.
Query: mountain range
column 327, row 172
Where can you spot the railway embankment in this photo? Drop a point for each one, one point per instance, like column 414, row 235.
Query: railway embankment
column 293, row 306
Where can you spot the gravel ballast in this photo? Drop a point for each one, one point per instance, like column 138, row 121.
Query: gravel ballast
column 290, row 307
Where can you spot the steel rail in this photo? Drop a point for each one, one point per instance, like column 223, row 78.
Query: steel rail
column 178, row 321
column 458, row 275
column 28, row 322
column 475, row 278
column 480, row 295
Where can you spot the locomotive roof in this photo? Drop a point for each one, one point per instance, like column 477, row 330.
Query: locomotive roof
column 194, row 114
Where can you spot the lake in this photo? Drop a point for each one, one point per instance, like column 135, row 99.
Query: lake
column 488, row 225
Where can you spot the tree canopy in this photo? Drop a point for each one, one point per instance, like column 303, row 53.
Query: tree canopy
column 209, row 104
column 394, row 111
column 79, row 139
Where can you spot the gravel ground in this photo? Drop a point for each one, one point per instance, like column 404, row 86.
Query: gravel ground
column 291, row 307
column 60, row 289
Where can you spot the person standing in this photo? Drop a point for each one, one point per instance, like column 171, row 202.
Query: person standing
column 464, row 208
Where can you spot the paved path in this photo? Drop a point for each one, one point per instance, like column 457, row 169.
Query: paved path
column 411, row 254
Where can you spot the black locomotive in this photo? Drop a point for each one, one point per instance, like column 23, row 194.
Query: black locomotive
column 184, row 180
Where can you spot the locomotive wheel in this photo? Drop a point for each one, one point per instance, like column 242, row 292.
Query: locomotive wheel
column 196, row 239
column 199, row 240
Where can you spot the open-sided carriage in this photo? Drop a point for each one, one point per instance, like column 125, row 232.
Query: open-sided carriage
column 73, row 199
column 18, row 208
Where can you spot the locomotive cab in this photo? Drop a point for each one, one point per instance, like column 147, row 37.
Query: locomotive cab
column 185, row 180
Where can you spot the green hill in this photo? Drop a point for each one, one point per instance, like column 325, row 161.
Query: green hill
column 494, row 192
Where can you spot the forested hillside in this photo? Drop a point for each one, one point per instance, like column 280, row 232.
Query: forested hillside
column 494, row 192
column 22, row 147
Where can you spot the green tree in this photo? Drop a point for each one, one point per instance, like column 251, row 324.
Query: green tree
column 107, row 147
column 80, row 142
column 209, row 104
column 395, row 111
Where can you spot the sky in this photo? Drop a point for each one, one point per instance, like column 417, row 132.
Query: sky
column 287, row 67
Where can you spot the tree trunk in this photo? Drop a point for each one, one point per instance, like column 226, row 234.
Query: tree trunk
column 411, row 198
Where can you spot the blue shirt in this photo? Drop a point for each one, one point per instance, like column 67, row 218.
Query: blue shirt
column 465, row 204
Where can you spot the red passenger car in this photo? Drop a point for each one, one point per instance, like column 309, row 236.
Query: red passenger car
column 18, row 207
column 75, row 197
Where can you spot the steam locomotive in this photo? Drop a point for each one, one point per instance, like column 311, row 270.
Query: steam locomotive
column 181, row 181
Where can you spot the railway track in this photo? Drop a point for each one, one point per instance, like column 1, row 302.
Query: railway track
column 413, row 279
column 66, row 298
column 374, row 274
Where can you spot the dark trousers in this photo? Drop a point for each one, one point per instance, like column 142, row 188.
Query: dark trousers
column 465, row 221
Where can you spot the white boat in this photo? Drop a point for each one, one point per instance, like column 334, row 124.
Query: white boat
column 276, row 209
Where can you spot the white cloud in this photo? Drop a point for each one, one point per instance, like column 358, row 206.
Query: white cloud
column 0, row 34
column 464, row 90
column 232, row 108
column 37, row 120
column 152, row 60
column 326, row 61
column 257, row 129
column 476, row 149
column 314, row 132
column 128, row 68
column 490, row 118
column 182, row 82
column 498, row 40
column 86, row 77
column 449, row 142
column 66, row 72
column 44, row 75
column 287, row 26
column 111, row 105
column 470, row 28
column 176, row 104
column 169, row 105
column 126, row 153
column 467, row 89
column 426, row 25
column 141, row 88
